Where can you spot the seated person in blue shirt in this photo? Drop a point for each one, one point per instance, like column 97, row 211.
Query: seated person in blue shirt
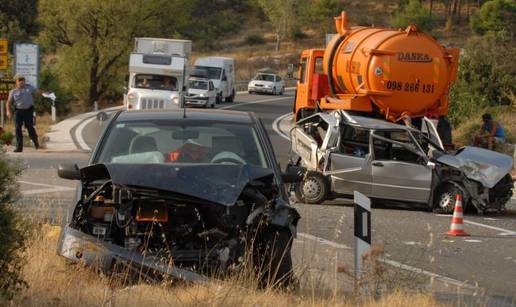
column 490, row 134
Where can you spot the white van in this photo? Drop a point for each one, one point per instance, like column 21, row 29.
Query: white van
column 221, row 71
column 157, row 73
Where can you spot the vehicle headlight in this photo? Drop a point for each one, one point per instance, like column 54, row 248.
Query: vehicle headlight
column 201, row 95
column 132, row 98
column 267, row 85
column 175, row 100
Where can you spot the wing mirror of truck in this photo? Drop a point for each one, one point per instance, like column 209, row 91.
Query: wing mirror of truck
column 292, row 70
column 293, row 174
column 69, row 171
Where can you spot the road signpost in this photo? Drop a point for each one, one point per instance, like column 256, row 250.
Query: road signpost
column 26, row 62
column 362, row 225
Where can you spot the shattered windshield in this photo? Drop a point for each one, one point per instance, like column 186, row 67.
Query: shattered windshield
column 155, row 82
column 185, row 141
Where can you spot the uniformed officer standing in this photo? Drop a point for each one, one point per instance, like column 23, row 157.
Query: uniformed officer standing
column 21, row 97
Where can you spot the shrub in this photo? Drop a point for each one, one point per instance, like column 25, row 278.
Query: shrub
column 495, row 15
column 12, row 231
column 487, row 76
column 414, row 13
column 254, row 39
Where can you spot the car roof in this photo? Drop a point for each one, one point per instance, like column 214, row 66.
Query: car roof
column 375, row 123
column 191, row 114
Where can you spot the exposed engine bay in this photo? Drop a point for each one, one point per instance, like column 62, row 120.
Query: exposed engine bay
column 149, row 211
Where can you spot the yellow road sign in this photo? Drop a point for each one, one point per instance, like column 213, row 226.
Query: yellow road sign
column 4, row 61
column 3, row 46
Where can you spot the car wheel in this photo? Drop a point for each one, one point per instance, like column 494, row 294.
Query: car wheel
column 213, row 104
column 274, row 92
column 218, row 99
column 232, row 97
column 273, row 258
column 444, row 201
column 282, row 91
column 313, row 189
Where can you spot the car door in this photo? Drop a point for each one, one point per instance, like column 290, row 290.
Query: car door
column 350, row 167
column 399, row 170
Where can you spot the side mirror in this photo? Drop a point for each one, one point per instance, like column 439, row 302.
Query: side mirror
column 292, row 71
column 224, row 78
column 293, row 174
column 69, row 171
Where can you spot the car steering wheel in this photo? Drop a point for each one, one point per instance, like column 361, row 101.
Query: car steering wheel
column 227, row 160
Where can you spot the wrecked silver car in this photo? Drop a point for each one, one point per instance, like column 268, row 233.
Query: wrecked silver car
column 182, row 194
column 387, row 161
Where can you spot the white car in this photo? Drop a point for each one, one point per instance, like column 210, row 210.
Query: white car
column 201, row 92
column 266, row 83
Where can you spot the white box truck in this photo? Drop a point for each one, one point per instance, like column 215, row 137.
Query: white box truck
column 158, row 73
column 221, row 71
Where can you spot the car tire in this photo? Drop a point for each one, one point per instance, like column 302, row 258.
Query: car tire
column 213, row 104
column 218, row 99
column 274, row 91
column 273, row 258
column 317, row 187
column 444, row 201
column 282, row 91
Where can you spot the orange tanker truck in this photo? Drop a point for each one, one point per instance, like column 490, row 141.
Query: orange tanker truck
column 380, row 72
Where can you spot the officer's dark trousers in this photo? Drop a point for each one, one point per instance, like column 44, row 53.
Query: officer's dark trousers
column 25, row 117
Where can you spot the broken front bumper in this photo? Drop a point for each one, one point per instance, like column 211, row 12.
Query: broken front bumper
column 80, row 247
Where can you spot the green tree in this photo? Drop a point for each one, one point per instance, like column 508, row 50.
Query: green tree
column 282, row 16
column 12, row 234
column 413, row 13
column 93, row 38
column 495, row 15
column 320, row 13
column 17, row 19
column 487, row 76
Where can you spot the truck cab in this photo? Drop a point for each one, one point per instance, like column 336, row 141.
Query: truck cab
column 221, row 71
column 157, row 74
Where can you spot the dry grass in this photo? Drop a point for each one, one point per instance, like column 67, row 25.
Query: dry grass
column 54, row 282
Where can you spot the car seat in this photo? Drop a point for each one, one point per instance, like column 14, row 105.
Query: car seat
column 142, row 143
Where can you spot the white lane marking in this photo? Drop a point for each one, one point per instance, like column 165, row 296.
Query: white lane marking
column 504, row 232
column 322, row 241
column 254, row 102
column 47, row 190
column 78, row 134
column 507, row 231
column 473, row 241
column 410, row 268
column 393, row 263
column 39, row 184
column 276, row 124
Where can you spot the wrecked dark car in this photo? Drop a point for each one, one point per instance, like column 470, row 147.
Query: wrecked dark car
column 182, row 194
column 389, row 162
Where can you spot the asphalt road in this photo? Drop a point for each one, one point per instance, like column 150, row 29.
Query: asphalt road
column 411, row 237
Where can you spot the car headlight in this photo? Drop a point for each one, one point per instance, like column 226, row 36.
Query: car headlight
column 267, row 86
column 202, row 95
column 175, row 100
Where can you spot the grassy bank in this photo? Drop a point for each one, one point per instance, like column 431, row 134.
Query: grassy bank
column 53, row 282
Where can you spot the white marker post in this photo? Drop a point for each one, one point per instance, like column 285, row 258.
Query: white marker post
column 362, row 225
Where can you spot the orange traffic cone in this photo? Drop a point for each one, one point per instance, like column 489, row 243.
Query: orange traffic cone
column 457, row 224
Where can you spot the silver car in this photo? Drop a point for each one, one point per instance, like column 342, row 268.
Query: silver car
column 386, row 161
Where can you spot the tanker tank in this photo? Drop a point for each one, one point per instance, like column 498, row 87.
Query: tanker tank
column 383, row 72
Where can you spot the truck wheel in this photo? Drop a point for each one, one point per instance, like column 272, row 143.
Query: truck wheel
column 313, row 189
column 444, row 201
column 218, row 99
column 232, row 97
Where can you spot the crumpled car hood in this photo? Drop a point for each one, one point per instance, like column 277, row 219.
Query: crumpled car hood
column 217, row 183
column 482, row 165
